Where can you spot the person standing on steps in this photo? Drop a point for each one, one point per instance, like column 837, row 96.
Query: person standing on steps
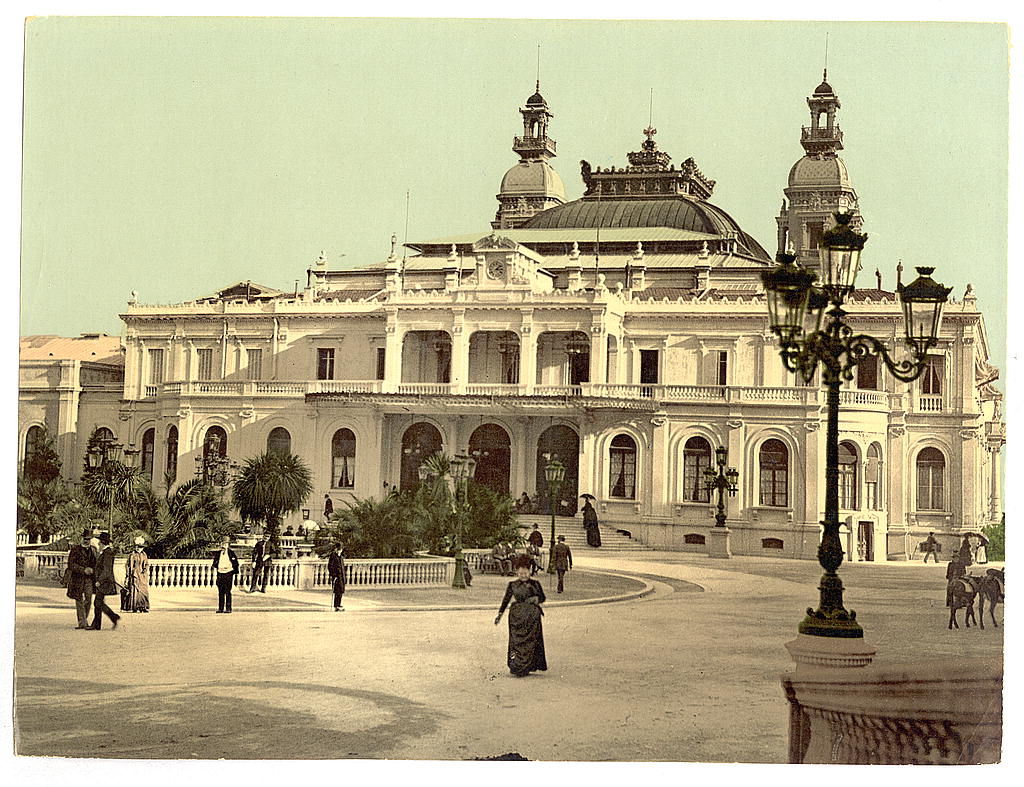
column 82, row 572
column 260, row 564
column 105, row 584
column 563, row 560
column 226, row 564
column 336, row 573
column 590, row 524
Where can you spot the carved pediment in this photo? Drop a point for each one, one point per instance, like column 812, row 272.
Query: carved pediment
column 494, row 241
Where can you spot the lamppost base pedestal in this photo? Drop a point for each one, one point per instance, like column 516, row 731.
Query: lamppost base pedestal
column 718, row 542
column 829, row 653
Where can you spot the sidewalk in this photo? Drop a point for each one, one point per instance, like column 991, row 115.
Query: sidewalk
column 486, row 592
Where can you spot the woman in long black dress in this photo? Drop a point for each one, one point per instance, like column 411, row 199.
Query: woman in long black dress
column 525, row 633
column 590, row 524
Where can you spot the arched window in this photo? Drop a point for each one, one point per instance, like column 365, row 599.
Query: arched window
column 148, row 441
column 696, row 459
column 931, row 467
column 773, row 460
column 279, row 441
column 343, row 459
column 872, row 477
column 847, row 476
column 33, row 442
column 172, row 453
column 622, row 464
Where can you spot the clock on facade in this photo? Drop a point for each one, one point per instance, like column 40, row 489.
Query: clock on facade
column 496, row 269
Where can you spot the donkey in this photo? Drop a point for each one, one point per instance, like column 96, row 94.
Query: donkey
column 963, row 590
column 992, row 586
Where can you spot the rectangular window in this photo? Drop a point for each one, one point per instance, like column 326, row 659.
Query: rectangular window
column 723, row 367
column 254, row 364
column 931, row 379
column 623, row 474
column 648, row 367
column 381, row 357
column 848, row 487
column 156, row 367
column 867, row 374
column 815, row 229
column 929, row 487
column 871, row 490
column 325, row 363
column 205, row 370
column 694, row 484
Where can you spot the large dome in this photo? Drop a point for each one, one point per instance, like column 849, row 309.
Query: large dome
column 674, row 211
column 824, row 171
column 533, row 178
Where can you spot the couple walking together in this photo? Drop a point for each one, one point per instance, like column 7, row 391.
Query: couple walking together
column 91, row 572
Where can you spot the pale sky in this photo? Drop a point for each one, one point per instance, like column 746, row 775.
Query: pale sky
column 176, row 156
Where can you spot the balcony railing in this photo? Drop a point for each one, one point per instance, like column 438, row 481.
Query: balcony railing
column 151, row 391
column 929, row 403
column 741, row 394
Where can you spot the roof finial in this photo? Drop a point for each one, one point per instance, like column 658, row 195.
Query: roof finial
column 899, row 273
column 538, row 68
column 824, row 72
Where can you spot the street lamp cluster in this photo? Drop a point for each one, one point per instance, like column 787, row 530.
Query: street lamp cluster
column 810, row 333
column 461, row 468
column 723, row 480
column 554, row 473
column 104, row 458
column 212, row 466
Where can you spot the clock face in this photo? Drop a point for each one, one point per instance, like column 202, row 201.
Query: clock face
column 496, row 269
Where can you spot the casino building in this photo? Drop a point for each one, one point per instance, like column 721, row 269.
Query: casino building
column 624, row 332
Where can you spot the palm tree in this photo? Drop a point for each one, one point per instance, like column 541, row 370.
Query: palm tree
column 269, row 486
column 114, row 485
column 188, row 520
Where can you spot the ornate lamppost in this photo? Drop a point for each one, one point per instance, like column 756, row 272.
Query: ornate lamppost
column 212, row 467
column 797, row 309
column 462, row 468
column 723, row 480
column 102, row 458
column 554, row 472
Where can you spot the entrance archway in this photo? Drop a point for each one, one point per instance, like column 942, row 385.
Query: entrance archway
column 561, row 443
column 419, row 441
column 491, row 446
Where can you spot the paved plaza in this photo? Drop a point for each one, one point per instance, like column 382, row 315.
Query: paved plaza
column 652, row 656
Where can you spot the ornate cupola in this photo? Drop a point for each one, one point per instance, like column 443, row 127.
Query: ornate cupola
column 819, row 185
column 532, row 185
column 648, row 175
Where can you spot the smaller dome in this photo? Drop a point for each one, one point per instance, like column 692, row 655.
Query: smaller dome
column 824, row 89
column 824, row 171
column 536, row 100
column 533, row 177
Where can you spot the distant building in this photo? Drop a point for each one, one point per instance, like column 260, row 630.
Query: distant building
column 624, row 332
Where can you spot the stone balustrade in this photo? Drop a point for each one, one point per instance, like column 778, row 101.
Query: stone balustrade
column 476, row 559
column 927, row 713
column 292, row 573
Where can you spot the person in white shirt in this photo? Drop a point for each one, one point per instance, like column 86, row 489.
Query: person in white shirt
column 226, row 564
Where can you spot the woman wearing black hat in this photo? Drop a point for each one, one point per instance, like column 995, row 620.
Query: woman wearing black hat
column 525, row 633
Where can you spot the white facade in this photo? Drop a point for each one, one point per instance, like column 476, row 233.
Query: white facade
column 625, row 332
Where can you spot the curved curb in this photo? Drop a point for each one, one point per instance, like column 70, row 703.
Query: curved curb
column 648, row 589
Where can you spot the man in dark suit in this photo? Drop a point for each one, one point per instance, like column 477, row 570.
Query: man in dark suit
column 260, row 564
column 954, row 571
column 336, row 572
column 105, row 584
column 82, row 565
column 562, row 556
column 225, row 562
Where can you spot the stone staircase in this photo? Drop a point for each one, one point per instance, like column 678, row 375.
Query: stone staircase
column 575, row 535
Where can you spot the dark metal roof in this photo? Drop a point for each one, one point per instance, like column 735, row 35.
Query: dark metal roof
column 671, row 211
column 535, row 99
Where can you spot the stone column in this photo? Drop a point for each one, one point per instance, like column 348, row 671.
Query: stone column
column 527, row 352
column 392, row 355
column 995, row 484
column 460, row 354
column 657, row 470
column 598, row 351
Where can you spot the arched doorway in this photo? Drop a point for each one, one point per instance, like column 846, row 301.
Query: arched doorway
column 419, row 441
column 561, row 443
column 491, row 447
